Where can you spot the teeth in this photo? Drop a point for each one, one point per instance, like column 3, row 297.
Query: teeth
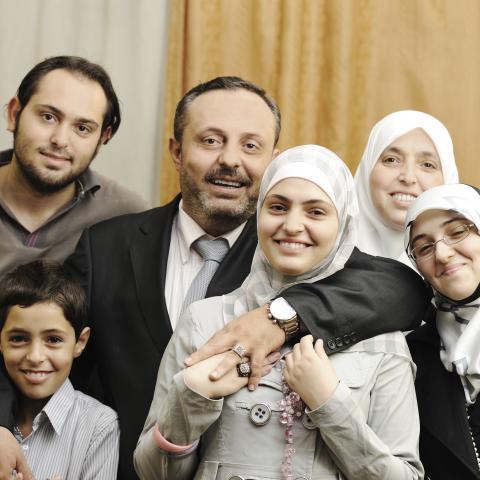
column 403, row 197
column 226, row 183
column 292, row 245
column 37, row 374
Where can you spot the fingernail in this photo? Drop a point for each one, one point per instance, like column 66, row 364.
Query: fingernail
column 251, row 387
column 188, row 361
column 214, row 374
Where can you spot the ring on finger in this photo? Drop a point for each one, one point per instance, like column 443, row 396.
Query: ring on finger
column 239, row 350
column 244, row 369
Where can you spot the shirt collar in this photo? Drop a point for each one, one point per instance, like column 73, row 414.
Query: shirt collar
column 58, row 407
column 189, row 231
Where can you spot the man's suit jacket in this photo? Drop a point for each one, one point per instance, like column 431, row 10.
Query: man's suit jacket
column 446, row 448
column 122, row 265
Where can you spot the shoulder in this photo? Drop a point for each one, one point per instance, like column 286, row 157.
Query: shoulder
column 206, row 317
column 146, row 220
column 392, row 343
column 118, row 197
column 91, row 411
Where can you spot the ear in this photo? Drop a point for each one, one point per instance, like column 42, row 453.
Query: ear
column 175, row 148
column 106, row 136
column 13, row 109
column 81, row 342
column 276, row 151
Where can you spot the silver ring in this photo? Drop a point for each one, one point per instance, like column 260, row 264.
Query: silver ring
column 244, row 369
column 239, row 350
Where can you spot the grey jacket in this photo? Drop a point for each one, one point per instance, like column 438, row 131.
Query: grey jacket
column 368, row 429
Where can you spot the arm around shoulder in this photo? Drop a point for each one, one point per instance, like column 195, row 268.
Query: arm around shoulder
column 369, row 296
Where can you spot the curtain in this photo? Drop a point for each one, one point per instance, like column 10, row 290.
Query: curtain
column 335, row 67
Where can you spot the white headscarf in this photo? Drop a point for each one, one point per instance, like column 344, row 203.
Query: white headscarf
column 375, row 237
column 458, row 322
column 322, row 167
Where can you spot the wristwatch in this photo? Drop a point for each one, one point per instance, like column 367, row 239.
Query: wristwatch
column 280, row 312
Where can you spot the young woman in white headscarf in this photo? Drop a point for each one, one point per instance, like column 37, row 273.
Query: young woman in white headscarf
column 407, row 153
column 444, row 244
column 351, row 415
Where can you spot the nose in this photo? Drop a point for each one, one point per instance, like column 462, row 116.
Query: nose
column 293, row 223
column 59, row 136
column 35, row 354
column 407, row 173
column 229, row 157
column 443, row 252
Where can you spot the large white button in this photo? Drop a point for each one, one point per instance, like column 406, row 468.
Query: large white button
column 260, row 413
column 307, row 422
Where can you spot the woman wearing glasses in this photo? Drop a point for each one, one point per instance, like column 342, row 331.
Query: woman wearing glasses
column 444, row 244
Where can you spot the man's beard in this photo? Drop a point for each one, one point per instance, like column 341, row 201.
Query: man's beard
column 40, row 182
column 201, row 204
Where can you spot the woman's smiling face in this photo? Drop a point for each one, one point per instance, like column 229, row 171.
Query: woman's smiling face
column 453, row 270
column 298, row 226
column 406, row 168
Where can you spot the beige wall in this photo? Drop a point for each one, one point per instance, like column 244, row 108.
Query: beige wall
column 127, row 37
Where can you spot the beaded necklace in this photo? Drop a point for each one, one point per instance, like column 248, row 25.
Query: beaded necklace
column 292, row 408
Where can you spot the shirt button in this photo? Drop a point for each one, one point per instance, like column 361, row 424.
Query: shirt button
column 260, row 413
column 25, row 447
column 331, row 344
column 307, row 422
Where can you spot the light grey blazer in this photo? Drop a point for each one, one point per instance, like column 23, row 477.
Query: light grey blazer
column 368, row 429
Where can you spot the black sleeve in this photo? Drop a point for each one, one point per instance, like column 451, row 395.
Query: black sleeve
column 79, row 264
column 7, row 398
column 369, row 296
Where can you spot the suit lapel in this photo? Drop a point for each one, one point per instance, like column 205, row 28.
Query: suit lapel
column 149, row 255
column 441, row 399
column 236, row 264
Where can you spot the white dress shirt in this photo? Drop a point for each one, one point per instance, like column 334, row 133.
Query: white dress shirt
column 74, row 437
column 184, row 262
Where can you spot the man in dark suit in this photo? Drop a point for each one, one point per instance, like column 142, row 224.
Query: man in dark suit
column 137, row 268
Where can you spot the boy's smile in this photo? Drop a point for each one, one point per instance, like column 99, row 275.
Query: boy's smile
column 38, row 346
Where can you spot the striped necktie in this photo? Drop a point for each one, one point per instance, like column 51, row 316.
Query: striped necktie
column 212, row 252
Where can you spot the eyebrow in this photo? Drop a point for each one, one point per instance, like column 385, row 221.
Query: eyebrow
column 286, row 199
column 399, row 151
column 59, row 113
column 444, row 224
column 22, row 330
column 219, row 131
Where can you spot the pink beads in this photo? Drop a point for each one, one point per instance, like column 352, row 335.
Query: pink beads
column 292, row 408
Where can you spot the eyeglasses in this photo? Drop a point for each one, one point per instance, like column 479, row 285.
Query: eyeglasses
column 455, row 235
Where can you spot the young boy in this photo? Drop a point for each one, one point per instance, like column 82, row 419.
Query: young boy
column 64, row 434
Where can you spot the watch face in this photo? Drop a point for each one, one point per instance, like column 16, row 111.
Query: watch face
column 281, row 310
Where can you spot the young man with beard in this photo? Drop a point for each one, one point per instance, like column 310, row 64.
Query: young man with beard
column 64, row 110
column 137, row 269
